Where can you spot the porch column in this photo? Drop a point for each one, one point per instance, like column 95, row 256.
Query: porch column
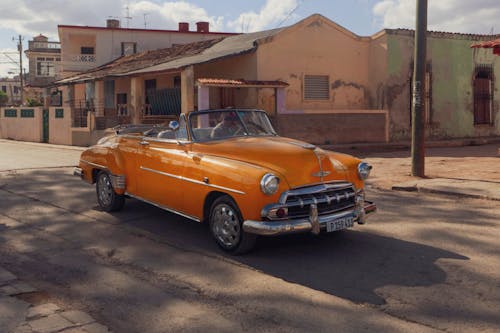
column 204, row 104
column 203, row 98
column 136, row 99
column 187, row 90
column 280, row 100
column 99, row 98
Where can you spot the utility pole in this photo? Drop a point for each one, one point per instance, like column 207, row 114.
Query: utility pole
column 418, row 100
column 21, row 74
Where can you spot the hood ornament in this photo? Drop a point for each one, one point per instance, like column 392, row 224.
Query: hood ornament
column 320, row 155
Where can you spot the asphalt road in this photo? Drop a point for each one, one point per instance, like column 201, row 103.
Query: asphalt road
column 424, row 263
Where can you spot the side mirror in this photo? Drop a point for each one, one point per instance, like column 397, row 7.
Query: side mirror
column 173, row 125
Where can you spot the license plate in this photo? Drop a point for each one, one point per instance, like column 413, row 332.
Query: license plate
column 339, row 224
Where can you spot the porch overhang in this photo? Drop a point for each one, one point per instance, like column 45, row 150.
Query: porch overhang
column 240, row 83
column 491, row 44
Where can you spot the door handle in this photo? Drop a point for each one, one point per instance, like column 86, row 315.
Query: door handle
column 197, row 157
column 144, row 143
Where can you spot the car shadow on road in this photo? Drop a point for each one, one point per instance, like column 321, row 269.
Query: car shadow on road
column 349, row 264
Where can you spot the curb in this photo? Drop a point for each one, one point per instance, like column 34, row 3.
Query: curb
column 45, row 145
column 423, row 189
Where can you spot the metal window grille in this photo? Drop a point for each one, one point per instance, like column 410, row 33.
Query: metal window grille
column 316, row 87
column 27, row 113
column 483, row 94
column 10, row 113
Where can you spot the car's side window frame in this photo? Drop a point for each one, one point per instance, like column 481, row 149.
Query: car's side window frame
column 182, row 134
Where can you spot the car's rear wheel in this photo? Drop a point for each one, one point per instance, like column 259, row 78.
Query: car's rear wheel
column 107, row 198
column 226, row 226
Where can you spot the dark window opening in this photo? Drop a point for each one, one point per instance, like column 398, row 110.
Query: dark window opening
column 150, row 87
column 177, row 81
column 121, row 98
column 86, row 50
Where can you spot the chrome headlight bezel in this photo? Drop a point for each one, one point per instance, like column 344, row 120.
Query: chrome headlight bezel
column 364, row 170
column 269, row 184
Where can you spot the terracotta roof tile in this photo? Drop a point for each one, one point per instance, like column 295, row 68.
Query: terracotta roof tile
column 240, row 82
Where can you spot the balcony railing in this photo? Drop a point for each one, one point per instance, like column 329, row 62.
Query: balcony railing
column 44, row 45
column 83, row 58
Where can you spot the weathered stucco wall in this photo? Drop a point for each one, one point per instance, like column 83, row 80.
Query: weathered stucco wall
column 377, row 71
column 238, row 67
column 317, row 46
column 24, row 124
column 452, row 64
column 60, row 125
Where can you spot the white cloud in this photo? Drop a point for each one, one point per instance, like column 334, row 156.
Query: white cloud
column 168, row 14
column 30, row 18
column 479, row 16
column 273, row 13
column 9, row 58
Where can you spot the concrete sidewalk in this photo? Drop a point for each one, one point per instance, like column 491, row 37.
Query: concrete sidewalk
column 466, row 171
column 459, row 187
column 20, row 316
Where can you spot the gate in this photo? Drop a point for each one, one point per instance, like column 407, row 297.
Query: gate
column 45, row 125
column 165, row 102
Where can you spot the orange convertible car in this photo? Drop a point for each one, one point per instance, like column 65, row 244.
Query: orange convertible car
column 230, row 169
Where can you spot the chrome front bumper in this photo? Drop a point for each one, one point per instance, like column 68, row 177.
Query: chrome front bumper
column 313, row 223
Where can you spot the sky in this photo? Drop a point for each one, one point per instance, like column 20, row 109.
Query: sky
column 29, row 18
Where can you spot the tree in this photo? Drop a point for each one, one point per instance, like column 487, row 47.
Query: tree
column 3, row 98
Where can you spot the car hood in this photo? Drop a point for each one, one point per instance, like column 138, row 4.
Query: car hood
column 295, row 161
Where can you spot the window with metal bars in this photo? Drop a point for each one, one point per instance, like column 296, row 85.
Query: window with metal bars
column 316, row 87
column 483, row 95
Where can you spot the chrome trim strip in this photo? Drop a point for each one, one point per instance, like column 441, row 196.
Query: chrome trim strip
column 304, row 145
column 194, row 181
column 94, row 164
column 164, row 207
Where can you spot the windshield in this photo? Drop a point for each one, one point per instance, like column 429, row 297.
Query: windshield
column 214, row 125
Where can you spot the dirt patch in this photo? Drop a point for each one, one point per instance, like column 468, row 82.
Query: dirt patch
column 35, row 298
column 469, row 163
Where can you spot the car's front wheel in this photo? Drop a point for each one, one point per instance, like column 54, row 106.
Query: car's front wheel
column 107, row 198
column 226, row 226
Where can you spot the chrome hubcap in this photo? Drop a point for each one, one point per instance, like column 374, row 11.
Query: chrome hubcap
column 226, row 226
column 105, row 190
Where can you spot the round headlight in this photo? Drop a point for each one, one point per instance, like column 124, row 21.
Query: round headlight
column 364, row 170
column 269, row 184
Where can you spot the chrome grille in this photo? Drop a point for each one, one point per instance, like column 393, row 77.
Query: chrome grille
column 329, row 198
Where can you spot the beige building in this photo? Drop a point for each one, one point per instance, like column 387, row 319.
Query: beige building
column 12, row 88
column 313, row 68
column 84, row 47
column 44, row 58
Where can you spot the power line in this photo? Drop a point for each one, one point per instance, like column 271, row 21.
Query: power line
column 290, row 13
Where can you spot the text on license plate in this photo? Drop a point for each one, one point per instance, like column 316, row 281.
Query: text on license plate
column 339, row 224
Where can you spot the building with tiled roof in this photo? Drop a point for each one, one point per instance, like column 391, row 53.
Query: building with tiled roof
column 317, row 80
